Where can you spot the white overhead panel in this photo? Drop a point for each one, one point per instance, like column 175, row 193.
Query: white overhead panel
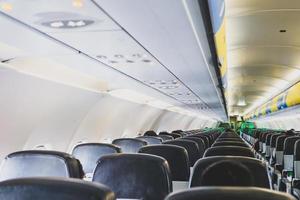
column 173, row 31
column 79, row 34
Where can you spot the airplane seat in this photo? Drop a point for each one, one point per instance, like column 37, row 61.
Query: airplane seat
column 191, row 147
column 129, row 145
column 53, row 189
column 264, row 146
column 230, row 171
column 268, row 146
column 203, row 137
column 200, row 142
column 40, row 163
column 151, row 139
column 211, row 139
column 178, row 161
column 229, row 139
column 288, row 163
column 296, row 178
column 166, row 137
column 228, row 193
column 89, row 153
column 180, row 132
column 135, row 176
column 230, row 143
column 272, row 159
column 174, row 135
column 278, row 166
column 229, row 151
column 229, row 134
column 150, row 133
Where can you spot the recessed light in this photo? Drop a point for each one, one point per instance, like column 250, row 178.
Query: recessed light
column 68, row 23
column 57, row 24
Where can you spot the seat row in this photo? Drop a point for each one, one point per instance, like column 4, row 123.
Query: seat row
column 281, row 150
column 149, row 174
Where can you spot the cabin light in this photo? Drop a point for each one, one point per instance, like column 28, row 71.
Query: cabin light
column 77, row 3
column 6, row 6
column 241, row 102
column 57, row 24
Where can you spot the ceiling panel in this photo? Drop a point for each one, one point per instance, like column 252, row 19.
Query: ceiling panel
column 80, row 27
column 266, row 60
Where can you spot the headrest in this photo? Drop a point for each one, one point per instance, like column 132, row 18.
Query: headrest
column 190, row 146
column 230, row 143
column 229, row 139
column 134, row 176
column 166, row 137
column 268, row 139
column 176, row 156
column 90, row 153
column 150, row 133
column 229, row 151
column 229, row 134
column 205, row 138
column 229, row 193
column 129, row 145
column 289, row 143
column 257, row 169
column 53, row 188
column 280, row 142
column 40, row 163
column 200, row 142
column 175, row 135
column 274, row 139
column 151, row 139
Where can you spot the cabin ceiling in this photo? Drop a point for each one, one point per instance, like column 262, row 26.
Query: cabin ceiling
column 166, row 52
column 263, row 50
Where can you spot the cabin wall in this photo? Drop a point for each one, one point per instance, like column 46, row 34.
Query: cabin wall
column 37, row 112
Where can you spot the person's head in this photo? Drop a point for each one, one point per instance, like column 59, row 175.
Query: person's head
column 150, row 133
column 227, row 173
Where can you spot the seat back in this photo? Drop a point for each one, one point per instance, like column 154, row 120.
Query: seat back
column 200, row 142
column 151, row 139
column 205, row 138
column 230, row 143
column 268, row 145
column 129, row 145
column 134, row 176
column 279, row 149
column 256, row 167
column 273, row 148
column 297, row 159
column 229, row 151
column 38, row 163
column 165, row 137
column 191, row 147
column 176, row 156
column 229, row 139
column 229, row 193
column 288, row 152
column 89, row 153
column 53, row 189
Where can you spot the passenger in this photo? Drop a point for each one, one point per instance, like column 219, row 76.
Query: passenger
column 150, row 133
column 227, row 173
